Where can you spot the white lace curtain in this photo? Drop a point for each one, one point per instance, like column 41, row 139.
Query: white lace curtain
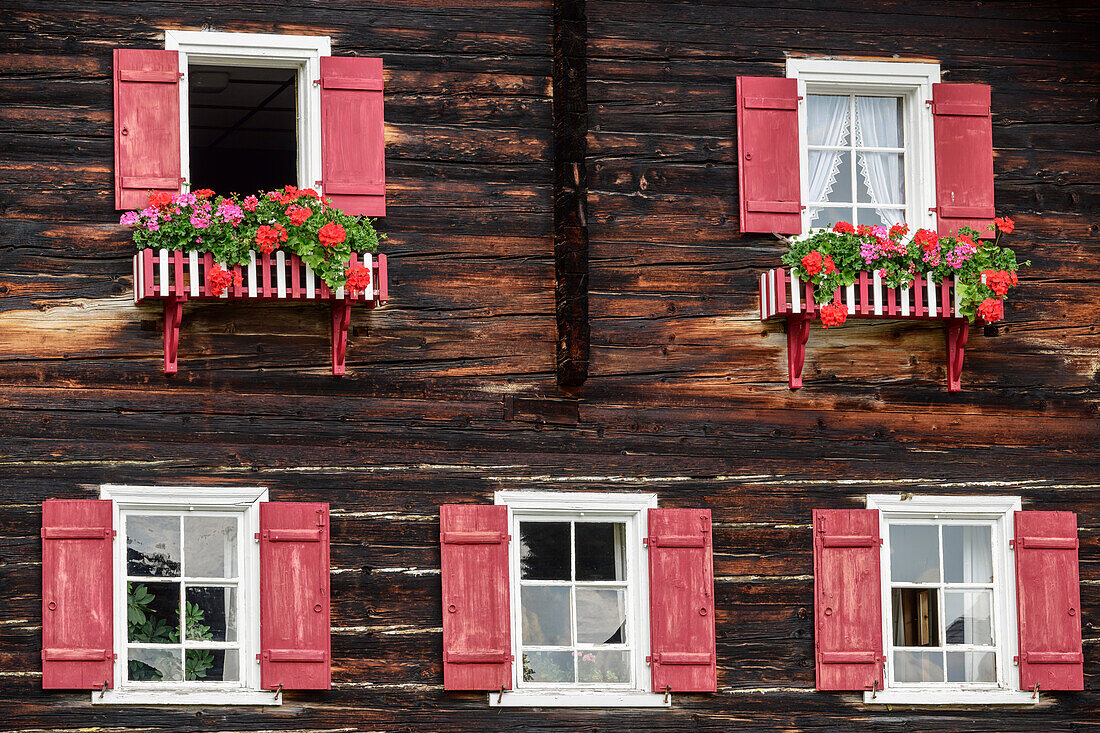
column 828, row 125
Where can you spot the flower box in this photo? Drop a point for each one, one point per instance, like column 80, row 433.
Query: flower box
column 176, row 276
column 784, row 296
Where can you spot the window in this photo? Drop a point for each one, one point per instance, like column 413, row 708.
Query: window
column 866, row 141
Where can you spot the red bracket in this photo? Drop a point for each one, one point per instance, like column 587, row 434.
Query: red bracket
column 957, row 330
column 173, row 315
column 798, row 332
column 341, row 319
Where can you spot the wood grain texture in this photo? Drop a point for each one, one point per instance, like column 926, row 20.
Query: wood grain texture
column 451, row 391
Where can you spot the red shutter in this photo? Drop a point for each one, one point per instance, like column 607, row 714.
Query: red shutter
column 77, row 636
column 294, row 596
column 477, row 630
column 681, row 601
column 963, row 131
column 847, row 599
column 767, row 155
column 1048, row 601
column 147, row 125
column 353, row 144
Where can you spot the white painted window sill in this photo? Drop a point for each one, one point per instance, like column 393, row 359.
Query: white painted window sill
column 578, row 699
column 186, row 697
column 950, row 697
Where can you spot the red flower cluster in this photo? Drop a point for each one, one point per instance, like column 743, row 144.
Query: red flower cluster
column 358, row 278
column 218, row 279
column 203, row 193
column 898, row 231
column 833, row 314
column 999, row 281
column 298, row 214
column 927, row 239
column 289, row 194
column 268, row 238
column 1005, row 224
column 160, row 199
column 843, row 227
column 864, row 230
column 815, row 262
column 332, row 234
column 991, row 310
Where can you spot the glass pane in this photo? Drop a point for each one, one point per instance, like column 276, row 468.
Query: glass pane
column 880, row 178
column 878, row 122
column 210, row 544
column 914, row 553
column 548, row 667
column 603, row 666
column 827, row 119
column 211, row 613
column 916, row 618
column 918, row 666
column 971, row 667
column 153, row 612
column 967, row 554
column 601, row 550
column 601, row 616
column 547, row 617
column 153, row 546
column 968, row 615
column 830, row 175
column 827, row 216
column 544, row 550
column 211, row 665
column 154, row 665
column 883, row 217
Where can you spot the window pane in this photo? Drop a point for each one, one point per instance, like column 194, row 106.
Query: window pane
column 971, row 667
column 153, row 612
column 153, row 546
column 211, row 613
column 878, row 122
column 827, row 216
column 967, row 554
column 210, row 544
column 830, row 175
column 915, row 614
column 969, row 617
column 544, row 550
column 211, row 665
column 603, row 666
column 547, row 616
column 154, row 665
column 883, row 217
column 601, row 550
column 918, row 666
column 914, row 553
column 548, row 667
column 827, row 119
column 601, row 616
column 880, row 178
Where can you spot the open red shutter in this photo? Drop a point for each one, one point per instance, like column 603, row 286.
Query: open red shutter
column 767, row 155
column 353, row 143
column 294, row 596
column 147, row 125
column 477, row 629
column 1048, row 601
column 77, row 636
column 847, row 599
column 963, row 131
column 681, row 601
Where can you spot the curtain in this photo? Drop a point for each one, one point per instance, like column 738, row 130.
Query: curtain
column 977, row 566
column 827, row 124
column 876, row 126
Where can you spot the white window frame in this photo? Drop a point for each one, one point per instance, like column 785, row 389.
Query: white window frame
column 237, row 499
column 301, row 53
column 999, row 510
column 912, row 82
column 629, row 508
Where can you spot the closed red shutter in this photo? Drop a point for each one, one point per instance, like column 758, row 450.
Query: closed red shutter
column 294, row 596
column 681, row 601
column 77, row 635
column 1048, row 601
column 477, row 629
column 963, row 131
column 147, row 125
column 767, row 155
column 847, row 599
column 353, row 142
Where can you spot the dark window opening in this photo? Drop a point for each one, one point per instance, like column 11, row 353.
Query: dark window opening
column 243, row 132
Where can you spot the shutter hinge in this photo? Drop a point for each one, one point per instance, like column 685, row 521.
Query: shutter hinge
column 316, row 81
column 1012, row 544
column 1016, row 661
column 257, row 536
column 645, row 543
column 928, row 101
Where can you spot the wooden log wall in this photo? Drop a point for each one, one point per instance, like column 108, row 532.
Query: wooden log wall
column 452, row 388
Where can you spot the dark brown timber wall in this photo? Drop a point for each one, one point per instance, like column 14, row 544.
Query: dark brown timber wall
column 452, row 391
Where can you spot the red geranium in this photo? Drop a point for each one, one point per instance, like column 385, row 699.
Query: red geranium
column 999, row 281
column 358, row 278
column 160, row 199
column 833, row 314
column 843, row 227
column 309, row 193
column 1005, row 224
column 269, row 237
column 203, row 193
column 298, row 214
column 991, row 310
column 927, row 239
column 898, row 231
column 829, row 265
column 864, row 230
column 812, row 263
column 332, row 234
column 218, row 279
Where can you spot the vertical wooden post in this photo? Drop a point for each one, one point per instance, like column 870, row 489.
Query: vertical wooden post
column 958, row 329
column 798, row 332
column 341, row 319
column 570, row 109
column 173, row 315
